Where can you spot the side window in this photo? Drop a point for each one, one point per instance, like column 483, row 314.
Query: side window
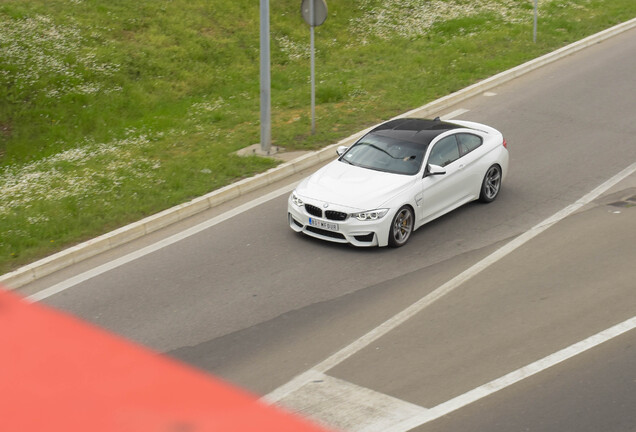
column 468, row 142
column 444, row 152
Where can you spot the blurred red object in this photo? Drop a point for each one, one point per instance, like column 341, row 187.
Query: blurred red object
column 58, row 373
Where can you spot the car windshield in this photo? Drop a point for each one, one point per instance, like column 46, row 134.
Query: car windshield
column 386, row 154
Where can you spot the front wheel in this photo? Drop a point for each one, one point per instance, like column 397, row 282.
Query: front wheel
column 401, row 227
column 491, row 184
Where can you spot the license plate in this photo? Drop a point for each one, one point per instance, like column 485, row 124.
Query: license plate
column 329, row 226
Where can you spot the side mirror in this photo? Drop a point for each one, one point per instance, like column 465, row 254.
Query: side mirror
column 341, row 150
column 432, row 170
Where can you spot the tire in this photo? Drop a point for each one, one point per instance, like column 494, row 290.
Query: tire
column 491, row 185
column 401, row 227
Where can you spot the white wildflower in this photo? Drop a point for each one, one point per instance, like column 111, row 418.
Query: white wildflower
column 89, row 169
column 293, row 50
column 35, row 48
column 414, row 18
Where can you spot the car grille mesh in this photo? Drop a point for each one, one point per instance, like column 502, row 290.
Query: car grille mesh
column 335, row 215
column 313, row 210
column 329, row 214
column 325, row 233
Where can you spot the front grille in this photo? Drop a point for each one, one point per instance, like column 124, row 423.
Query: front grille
column 336, row 215
column 313, row 210
column 325, row 232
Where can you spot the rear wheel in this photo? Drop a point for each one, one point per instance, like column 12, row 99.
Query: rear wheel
column 401, row 227
column 491, row 184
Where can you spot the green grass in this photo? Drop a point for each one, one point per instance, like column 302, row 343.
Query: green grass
column 111, row 111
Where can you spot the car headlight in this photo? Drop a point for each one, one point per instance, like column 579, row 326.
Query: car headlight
column 370, row 215
column 296, row 201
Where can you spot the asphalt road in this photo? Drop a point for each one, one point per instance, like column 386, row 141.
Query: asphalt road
column 593, row 392
column 257, row 304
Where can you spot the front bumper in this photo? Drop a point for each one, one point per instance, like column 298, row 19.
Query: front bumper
column 351, row 230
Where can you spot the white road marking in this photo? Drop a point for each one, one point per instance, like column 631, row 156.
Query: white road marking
column 64, row 285
column 345, row 406
column 284, row 391
column 456, row 113
column 359, row 409
column 516, row 376
column 490, row 94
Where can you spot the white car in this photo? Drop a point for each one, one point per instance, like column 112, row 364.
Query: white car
column 399, row 176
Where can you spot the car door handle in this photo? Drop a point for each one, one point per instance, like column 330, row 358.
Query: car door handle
column 461, row 167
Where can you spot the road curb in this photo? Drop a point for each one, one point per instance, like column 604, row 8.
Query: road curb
column 135, row 230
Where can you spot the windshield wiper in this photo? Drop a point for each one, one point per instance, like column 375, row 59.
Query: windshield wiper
column 404, row 158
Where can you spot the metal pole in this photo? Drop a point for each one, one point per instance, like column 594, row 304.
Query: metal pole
column 313, row 68
column 266, row 102
column 534, row 33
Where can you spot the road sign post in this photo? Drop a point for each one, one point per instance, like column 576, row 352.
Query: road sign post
column 534, row 32
column 314, row 12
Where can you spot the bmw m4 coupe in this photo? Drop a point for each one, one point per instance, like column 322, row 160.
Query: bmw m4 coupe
column 399, row 176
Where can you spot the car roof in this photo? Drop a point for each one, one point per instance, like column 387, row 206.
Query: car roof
column 417, row 130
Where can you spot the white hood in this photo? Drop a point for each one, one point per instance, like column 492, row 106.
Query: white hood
column 351, row 186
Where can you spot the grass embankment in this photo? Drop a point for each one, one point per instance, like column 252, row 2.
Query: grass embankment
column 110, row 111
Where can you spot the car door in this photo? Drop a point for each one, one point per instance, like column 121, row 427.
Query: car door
column 471, row 154
column 440, row 193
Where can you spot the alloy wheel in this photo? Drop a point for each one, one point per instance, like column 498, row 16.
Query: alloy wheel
column 402, row 227
column 491, row 184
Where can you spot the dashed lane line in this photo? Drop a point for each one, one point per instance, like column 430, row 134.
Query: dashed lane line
column 453, row 114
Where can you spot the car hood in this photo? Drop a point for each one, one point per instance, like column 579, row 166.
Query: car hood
column 351, row 186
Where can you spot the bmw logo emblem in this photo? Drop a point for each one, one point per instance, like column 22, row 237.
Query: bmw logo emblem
column 325, row 205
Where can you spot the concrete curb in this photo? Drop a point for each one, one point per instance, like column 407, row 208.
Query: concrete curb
column 80, row 252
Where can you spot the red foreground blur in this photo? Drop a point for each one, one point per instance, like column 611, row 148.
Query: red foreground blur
column 58, row 373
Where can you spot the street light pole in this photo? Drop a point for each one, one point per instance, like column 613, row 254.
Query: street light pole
column 266, row 102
